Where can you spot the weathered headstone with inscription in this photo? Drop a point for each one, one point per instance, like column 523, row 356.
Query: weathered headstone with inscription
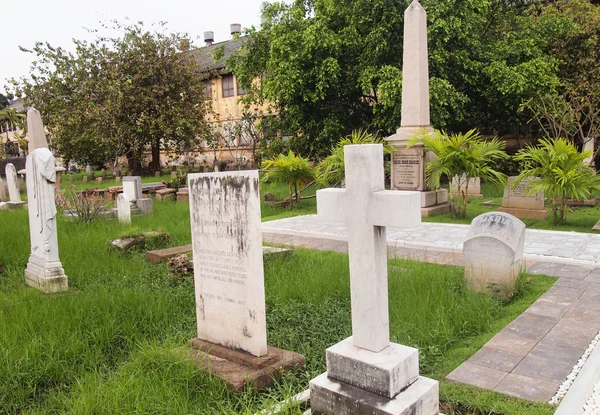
column 518, row 202
column 493, row 254
column 366, row 373
column 408, row 164
column 473, row 189
column 229, row 277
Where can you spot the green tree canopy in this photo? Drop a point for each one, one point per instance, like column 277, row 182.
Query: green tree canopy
column 117, row 96
column 329, row 66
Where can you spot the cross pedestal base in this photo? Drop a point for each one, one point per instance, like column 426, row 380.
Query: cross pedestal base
column 385, row 373
column 331, row 397
column 47, row 277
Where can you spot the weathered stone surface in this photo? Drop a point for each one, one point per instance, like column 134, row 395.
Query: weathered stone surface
column 123, row 209
column 428, row 198
column 144, row 205
column 124, row 243
column 328, row 396
column 442, row 196
column 517, row 202
column 409, row 169
column 238, row 368
column 473, row 189
column 44, row 270
column 183, row 195
column 132, row 187
column 12, row 184
column 499, row 236
column 166, row 193
column 2, row 191
column 228, row 261
column 385, row 373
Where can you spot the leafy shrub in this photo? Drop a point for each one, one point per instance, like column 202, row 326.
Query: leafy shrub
column 86, row 206
column 291, row 169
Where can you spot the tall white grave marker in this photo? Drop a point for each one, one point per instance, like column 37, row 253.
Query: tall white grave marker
column 44, row 270
column 123, row 209
column 229, row 281
column 408, row 165
column 228, row 261
column 366, row 373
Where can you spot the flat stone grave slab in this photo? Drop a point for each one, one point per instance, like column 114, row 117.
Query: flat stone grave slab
column 162, row 255
column 238, row 368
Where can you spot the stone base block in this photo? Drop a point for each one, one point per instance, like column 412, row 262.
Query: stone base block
column 537, row 214
column 384, row 373
column 238, row 368
column 144, row 205
column 435, row 210
column 13, row 205
column 331, row 397
column 428, row 198
column 469, row 195
column 442, row 196
column 183, row 196
column 46, row 277
column 166, row 194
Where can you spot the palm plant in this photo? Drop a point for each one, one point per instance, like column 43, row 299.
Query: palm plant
column 330, row 171
column 11, row 119
column 291, row 169
column 461, row 157
column 556, row 168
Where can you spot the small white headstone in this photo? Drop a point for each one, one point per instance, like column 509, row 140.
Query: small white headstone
column 588, row 145
column 228, row 260
column 2, row 191
column 12, row 184
column 132, row 187
column 123, row 209
column 473, row 189
column 493, row 253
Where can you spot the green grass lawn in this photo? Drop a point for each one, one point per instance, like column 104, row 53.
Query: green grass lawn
column 109, row 344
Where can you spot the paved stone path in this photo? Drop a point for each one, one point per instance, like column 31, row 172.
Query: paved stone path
column 533, row 355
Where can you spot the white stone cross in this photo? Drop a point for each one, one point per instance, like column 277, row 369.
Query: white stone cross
column 367, row 209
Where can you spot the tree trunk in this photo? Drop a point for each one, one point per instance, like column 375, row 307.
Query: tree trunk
column 155, row 164
column 134, row 165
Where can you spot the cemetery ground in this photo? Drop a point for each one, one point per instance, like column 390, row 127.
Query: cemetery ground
column 114, row 342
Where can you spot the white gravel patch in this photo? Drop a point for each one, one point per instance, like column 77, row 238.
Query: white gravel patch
column 564, row 387
column 592, row 405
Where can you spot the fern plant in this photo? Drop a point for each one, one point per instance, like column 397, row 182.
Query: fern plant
column 461, row 157
column 556, row 168
column 290, row 169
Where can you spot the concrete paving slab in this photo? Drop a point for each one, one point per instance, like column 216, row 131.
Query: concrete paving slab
column 475, row 375
column 496, row 359
column 569, row 339
column 545, row 369
column 511, row 342
column 527, row 388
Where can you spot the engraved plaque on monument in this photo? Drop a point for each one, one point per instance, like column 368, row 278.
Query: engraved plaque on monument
column 228, row 261
column 408, row 169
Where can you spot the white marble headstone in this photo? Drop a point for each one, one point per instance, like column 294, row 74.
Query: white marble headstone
column 12, row 184
column 228, row 260
column 132, row 187
column 493, row 253
column 123, row 209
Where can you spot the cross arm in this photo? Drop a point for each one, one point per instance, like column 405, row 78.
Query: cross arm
column 395, row 208
column 332, row 204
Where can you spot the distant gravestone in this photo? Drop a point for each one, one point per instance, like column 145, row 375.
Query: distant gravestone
column 366, row 373
column 132, row 187
column 12, row 183
column 473, row 189
column 229, row 278
column 103, row 174
column 588, row 145
column 517, row 201
column 493, row 254
column 44, row 270
column 2, row 191
column 123, row 209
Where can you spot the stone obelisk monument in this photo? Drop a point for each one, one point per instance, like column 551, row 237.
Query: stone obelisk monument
column 44, row 270
column 408, row 165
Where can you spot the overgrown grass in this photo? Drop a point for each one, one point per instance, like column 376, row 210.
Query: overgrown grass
column 110, row 344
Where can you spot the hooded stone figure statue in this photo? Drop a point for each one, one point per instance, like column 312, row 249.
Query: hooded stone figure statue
column 44, row 270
